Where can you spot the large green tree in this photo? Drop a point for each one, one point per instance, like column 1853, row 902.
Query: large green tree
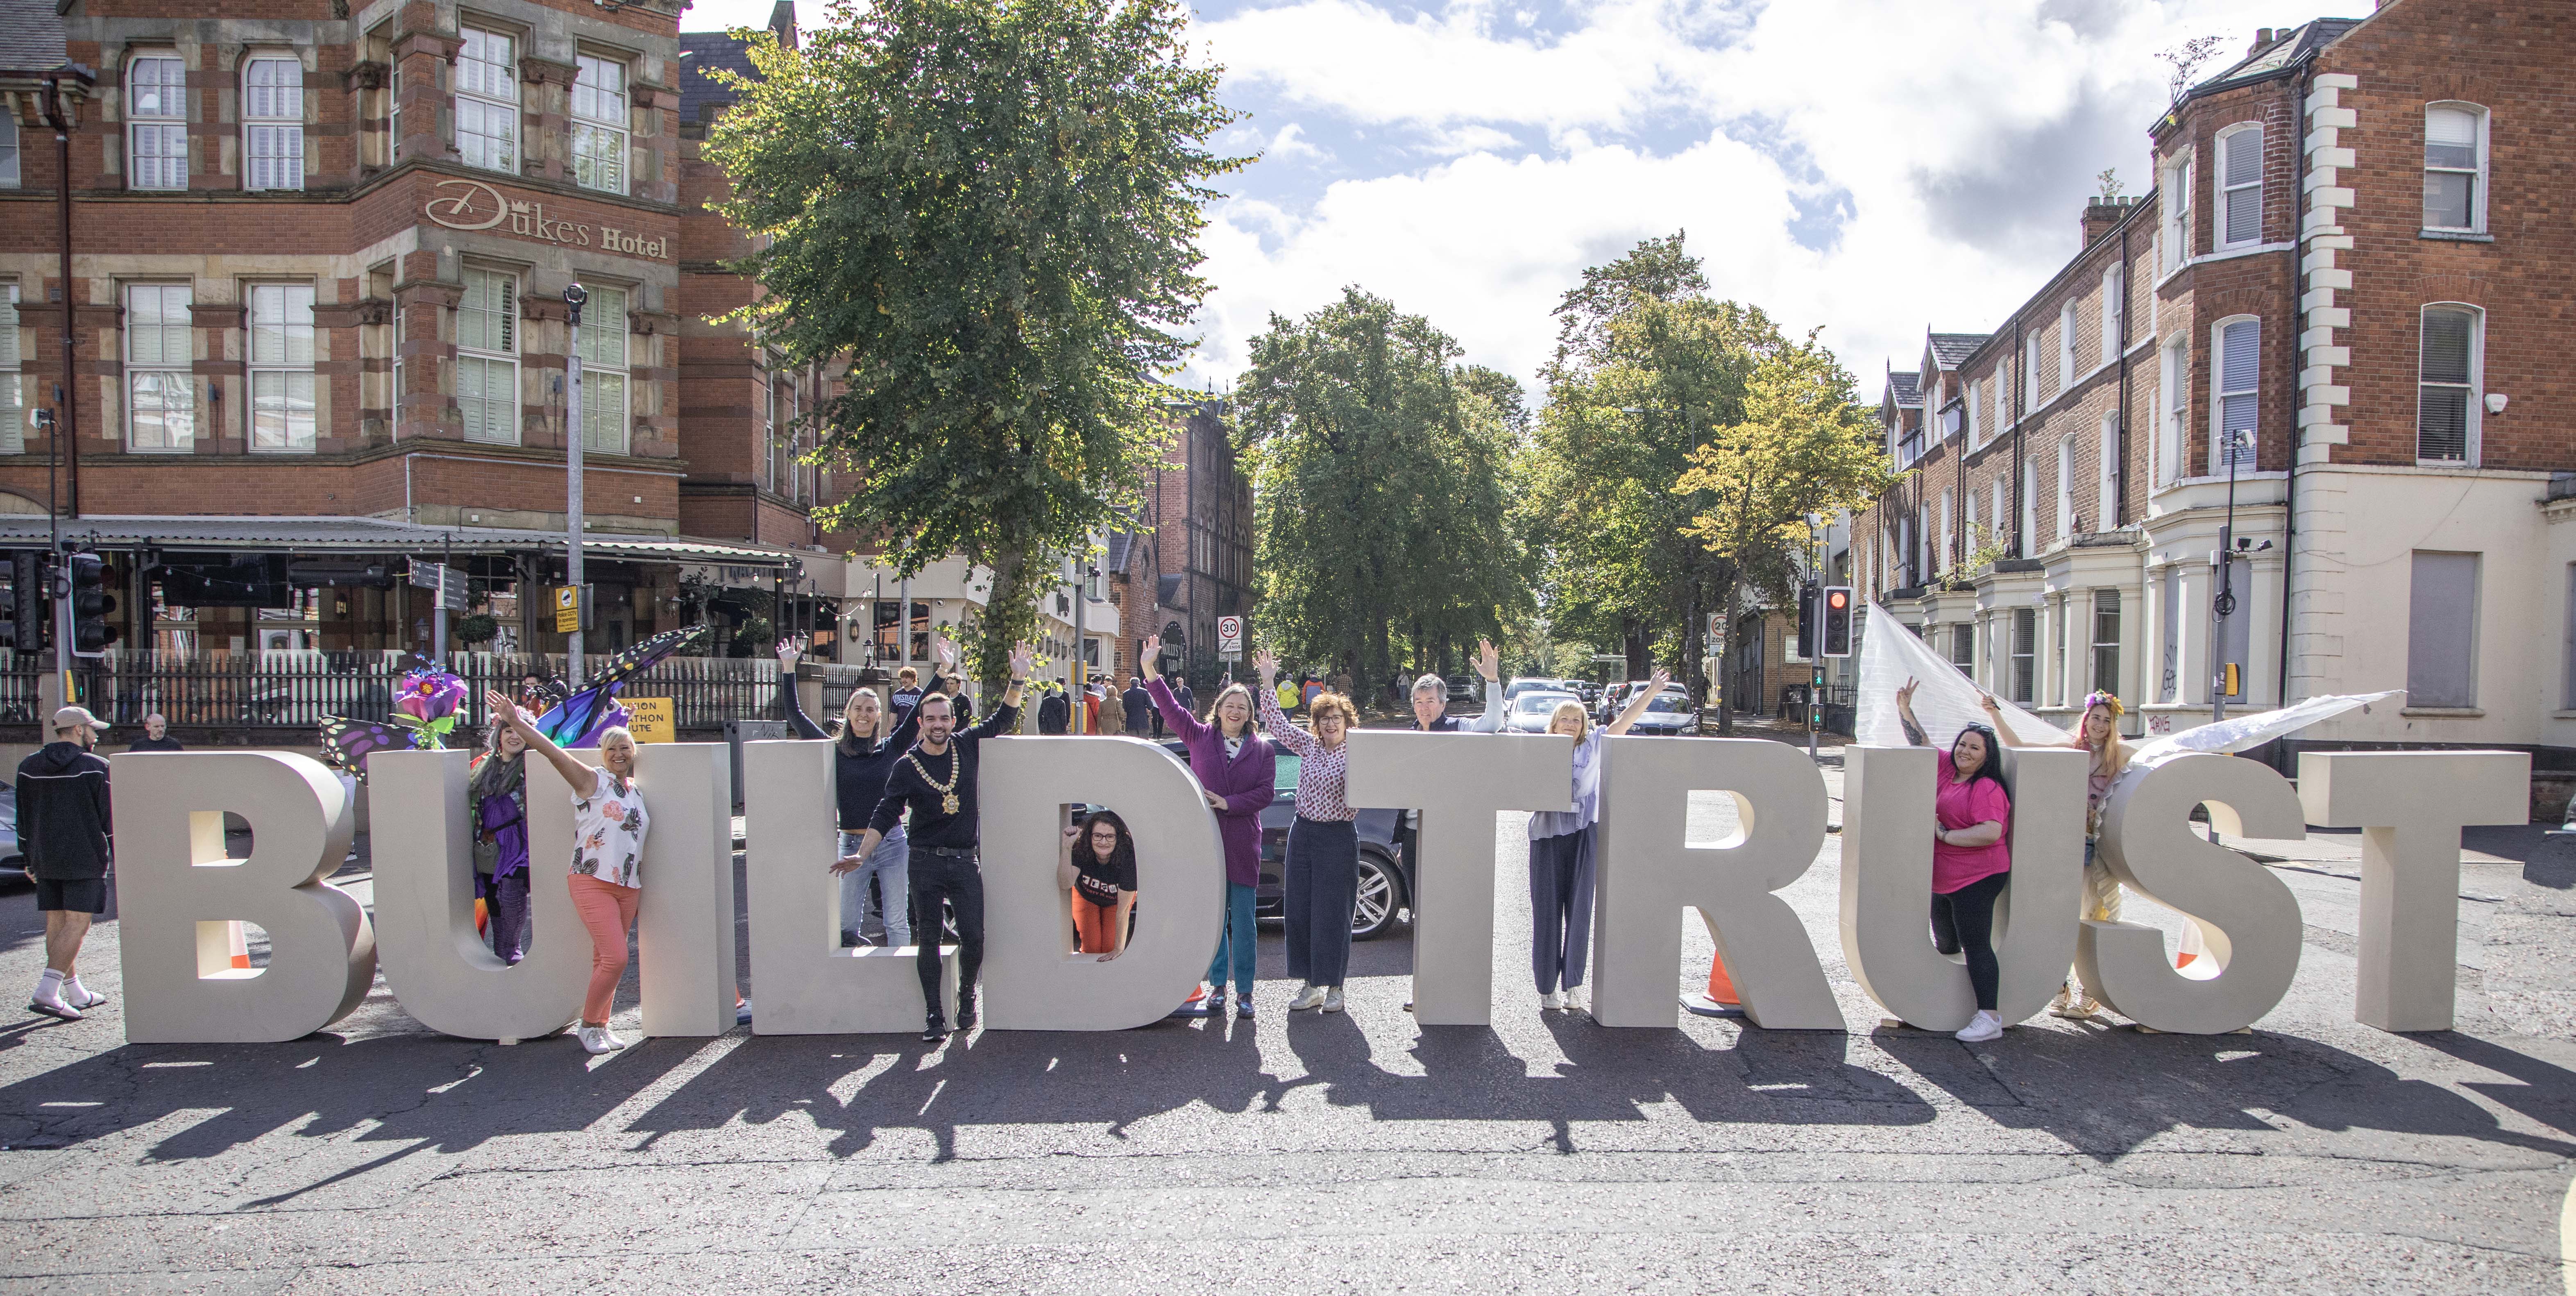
column 987, row 214
column 1646, row 369
column 1383, row 490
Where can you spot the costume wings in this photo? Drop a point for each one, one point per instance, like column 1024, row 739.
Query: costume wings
column 580, row 719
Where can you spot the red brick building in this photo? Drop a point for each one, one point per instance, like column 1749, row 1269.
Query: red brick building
column 1188, row 559
column 2335, row 307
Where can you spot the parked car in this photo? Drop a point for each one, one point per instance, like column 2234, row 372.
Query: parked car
column 1386, row 859
column 1530, row 711
column 1671, row 713
column 1613, row 698
column 1532, row 683
column 1587, row 690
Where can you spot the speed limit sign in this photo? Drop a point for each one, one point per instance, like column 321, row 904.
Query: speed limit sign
column 1229, row 634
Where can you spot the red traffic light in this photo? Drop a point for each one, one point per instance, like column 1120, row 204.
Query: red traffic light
column 1838, row 599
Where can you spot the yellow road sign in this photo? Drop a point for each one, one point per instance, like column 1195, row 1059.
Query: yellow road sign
column 567, row 608
column 653, row 720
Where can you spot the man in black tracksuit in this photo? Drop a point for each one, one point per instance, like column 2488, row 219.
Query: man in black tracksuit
column 63, row 825
column 936, row 779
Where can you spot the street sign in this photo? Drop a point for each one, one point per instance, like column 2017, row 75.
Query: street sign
column 449, row 582
column 1229, row 634
column 1716, row 627
column 572, row 608
column 651, row 720
column 1609, row 659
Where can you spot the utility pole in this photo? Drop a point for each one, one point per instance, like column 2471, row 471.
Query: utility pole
column 1811, row 636
column 58, row 114
column 2222, row 604
column 574, row 296
column 1081, row 644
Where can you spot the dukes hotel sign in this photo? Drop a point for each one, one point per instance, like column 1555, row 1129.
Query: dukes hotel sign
column 474, row 205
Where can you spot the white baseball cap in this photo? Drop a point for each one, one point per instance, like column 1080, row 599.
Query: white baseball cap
column 72, row 717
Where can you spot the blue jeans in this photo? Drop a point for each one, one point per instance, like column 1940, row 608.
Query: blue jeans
column 1237, row 940
column 891, row 866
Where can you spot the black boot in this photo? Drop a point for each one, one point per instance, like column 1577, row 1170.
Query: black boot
column 936, row 1029
column 966, row 1009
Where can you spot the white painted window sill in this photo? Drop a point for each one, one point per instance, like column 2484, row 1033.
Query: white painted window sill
column 2454, row 236
column 2445, row 713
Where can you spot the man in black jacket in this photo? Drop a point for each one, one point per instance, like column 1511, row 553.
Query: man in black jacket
column 63, row 824
column 156, row 736
column 1139, row 706
column 1055, row 715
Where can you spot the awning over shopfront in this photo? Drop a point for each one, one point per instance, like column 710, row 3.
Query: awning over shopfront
column 357, row 535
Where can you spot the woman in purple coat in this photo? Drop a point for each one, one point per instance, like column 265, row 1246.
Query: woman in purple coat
column 1237, row 770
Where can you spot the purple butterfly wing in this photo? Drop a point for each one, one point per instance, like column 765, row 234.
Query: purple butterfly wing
column 577, row 721
column 346, row 743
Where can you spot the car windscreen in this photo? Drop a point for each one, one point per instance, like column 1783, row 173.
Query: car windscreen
column 1670, row 702
column 1539, row 703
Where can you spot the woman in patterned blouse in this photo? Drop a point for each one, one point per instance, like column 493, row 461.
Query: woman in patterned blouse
column 607, row 871
column 1322, row 876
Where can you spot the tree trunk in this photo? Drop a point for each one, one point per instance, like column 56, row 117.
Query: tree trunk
column 1010, row 616
column 1726, row 609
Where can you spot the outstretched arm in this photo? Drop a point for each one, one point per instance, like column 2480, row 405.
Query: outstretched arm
column 1489, row 664
column 1266, row 665
column 1177, row 716
column 1637, row 705
column 1914, row 734
column 580, row 776
column 789, row 704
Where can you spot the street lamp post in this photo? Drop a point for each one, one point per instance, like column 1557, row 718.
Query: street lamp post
column 2222, row 603
column 574, row 296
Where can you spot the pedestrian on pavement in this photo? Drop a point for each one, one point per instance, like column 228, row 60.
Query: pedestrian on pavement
column 156, row 736
column 960, row 707
column 1238, row 772
column 501, row 841
column 1189, row 701
column 935, row 781
column 1098, row 867
column 1140, row 708
column 1561, row 856
column 2100, row 739
column 1322, row 874
column 907, row 690
column 64, row 827
column 1308, row 689
column 1287, row 699
column 1971, row 855
column 607, row 876
column 1431, row 698
column 863, row 755
column 1055, row 715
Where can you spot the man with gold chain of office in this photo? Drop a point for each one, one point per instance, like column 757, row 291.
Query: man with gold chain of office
column 936, row 782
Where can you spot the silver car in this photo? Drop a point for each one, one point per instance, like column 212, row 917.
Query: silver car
column 1530, row 711
column 1670, row 713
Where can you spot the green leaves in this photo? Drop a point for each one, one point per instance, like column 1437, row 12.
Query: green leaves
column 985, row 215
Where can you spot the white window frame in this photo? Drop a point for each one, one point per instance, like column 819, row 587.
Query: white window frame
column 2219, row 392
column 601, row 121
column 169, row 375
column 484, row 89
column 2029, row 509
column 2174, row 242
column 487, row 348
column 2066, row 371
column 13, row 406
column 272, row 123
column 2476, row 385
column 9, row 178
column 2106, row 473
column 276, row 365
column 2173, row 398
column 2003, row 510
column 2030, row 372
column 607, row 380
column 1976, row 433
column 2114, row 280
column 393, row 106
column 2020, row 633
column 1945, row 560
column 2106, row 681
column 2066, row 488
column 2477, row 178
column 156, row 143
column 2225, row 194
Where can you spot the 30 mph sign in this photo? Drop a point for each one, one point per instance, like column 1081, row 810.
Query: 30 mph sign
column 1229, row 634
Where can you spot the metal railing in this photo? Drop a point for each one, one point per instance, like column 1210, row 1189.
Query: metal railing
column 268, row 694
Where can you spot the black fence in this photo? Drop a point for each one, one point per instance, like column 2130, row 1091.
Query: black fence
column 271, row 696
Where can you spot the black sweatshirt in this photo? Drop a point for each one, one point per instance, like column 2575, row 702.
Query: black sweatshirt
column 859, row 768
column 63, row 815
column 910, row 785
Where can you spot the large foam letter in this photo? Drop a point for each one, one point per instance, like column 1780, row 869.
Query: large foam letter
column 2248, row 917
column 1037, row 981
column 1649, row 870
column 684, row 937
column 808, row 984
column 1459, row 782
column 177, row 887
column 1887, row 885
column 440, row 968
column 2410, row 807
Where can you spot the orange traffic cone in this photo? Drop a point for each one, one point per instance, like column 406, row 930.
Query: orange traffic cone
column 240, row 945
column 1721, row 999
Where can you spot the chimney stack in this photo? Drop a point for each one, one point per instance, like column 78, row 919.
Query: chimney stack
column 2262, row 41
column 2101, row 214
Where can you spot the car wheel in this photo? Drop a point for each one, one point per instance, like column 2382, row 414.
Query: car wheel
column 1381, row 895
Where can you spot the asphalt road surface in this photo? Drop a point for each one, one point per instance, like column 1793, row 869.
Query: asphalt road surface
column 1325, row 1153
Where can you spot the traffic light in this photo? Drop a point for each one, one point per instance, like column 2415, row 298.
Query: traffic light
column 1838, row 621
column 1807, row 619
column 27, row 602
column 90, row 605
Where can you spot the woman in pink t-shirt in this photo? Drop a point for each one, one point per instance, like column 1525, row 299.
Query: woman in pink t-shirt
column 1971, row 856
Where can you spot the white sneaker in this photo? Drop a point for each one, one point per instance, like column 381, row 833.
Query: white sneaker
column 1984, row 1026
column 595, row 1039
column 1333, row 999
column 1310, row 997
column 1574, row 999
column 1551, row 1001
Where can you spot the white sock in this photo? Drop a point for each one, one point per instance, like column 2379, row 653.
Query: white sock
column 73, row 990
column 49, row 987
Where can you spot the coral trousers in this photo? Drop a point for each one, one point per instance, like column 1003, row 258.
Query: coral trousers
column 608, row 911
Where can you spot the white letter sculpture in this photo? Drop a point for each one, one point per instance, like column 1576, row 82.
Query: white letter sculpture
column 1459, row 782
column 2410, row 807
column 442, row 970
column 684, row 935
column 177, row 888
column 2248, row 917
column 1038, row 982
column 1648, row 870
column 1888, row 795
column 808, row 984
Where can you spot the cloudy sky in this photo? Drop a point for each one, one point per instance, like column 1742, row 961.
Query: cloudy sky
column 1873, row 166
